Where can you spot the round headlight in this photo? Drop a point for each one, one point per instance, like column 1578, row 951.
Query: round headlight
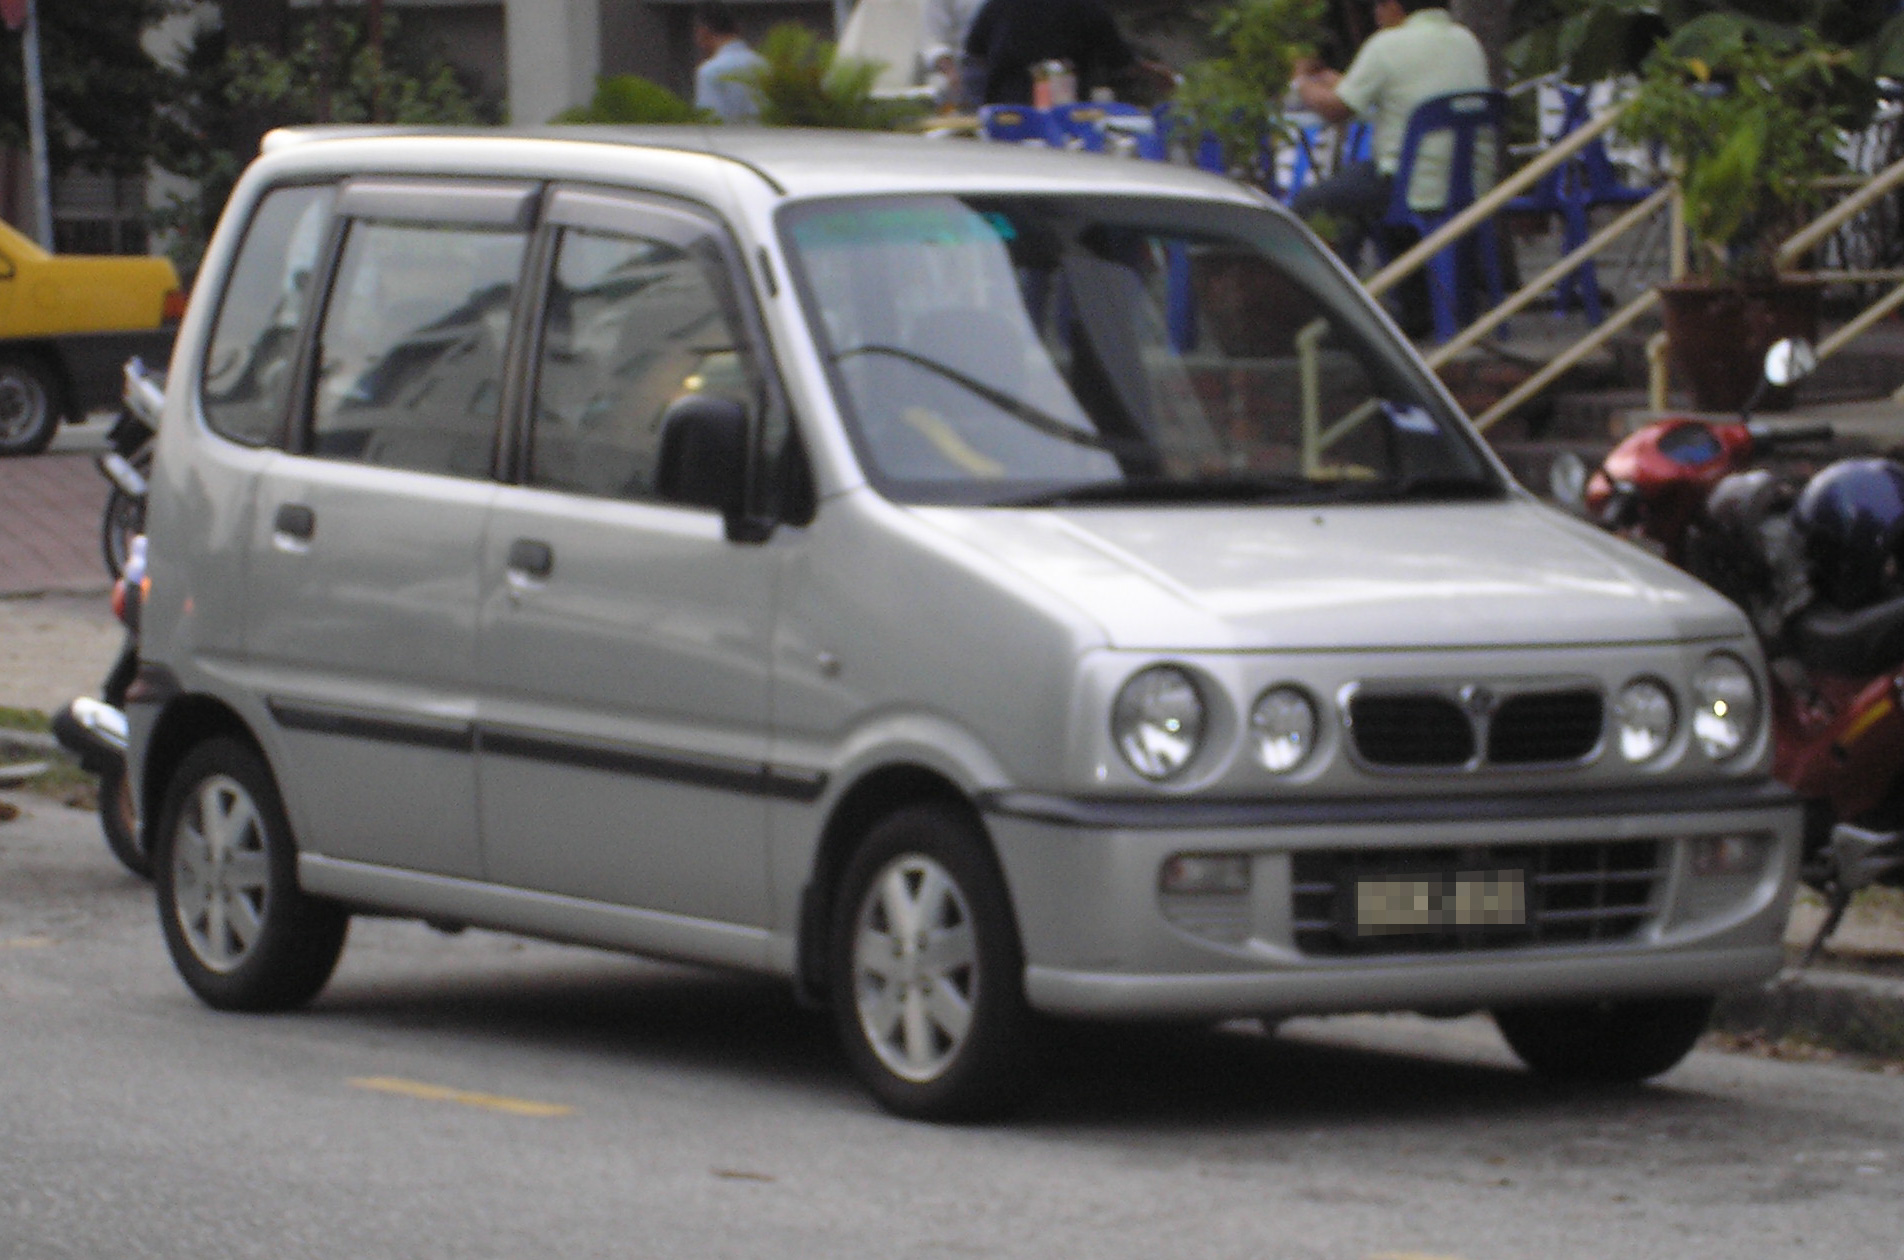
column 1726, row 706
column 1283, row 726
column 1158, row 721
column 1646, row 719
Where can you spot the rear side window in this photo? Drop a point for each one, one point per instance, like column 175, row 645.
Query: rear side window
column 634, row 323
column 410, row 355
column 253, row 347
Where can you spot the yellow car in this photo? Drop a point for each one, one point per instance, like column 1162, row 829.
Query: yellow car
column 67, row 323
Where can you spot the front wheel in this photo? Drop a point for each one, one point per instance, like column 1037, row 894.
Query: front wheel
column 927, row 971
column 241, row 932
column 1605, row 1042
column 123, row 519
column 29, row 407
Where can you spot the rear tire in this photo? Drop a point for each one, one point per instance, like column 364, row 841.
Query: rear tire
column 123, row 518
column 1605, row 1042
column 119, row 819
column 242, row 934
column 926, row 970
column 29, row 407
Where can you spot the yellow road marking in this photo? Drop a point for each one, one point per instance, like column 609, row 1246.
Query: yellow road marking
column 468, row 1098
column 26, row 942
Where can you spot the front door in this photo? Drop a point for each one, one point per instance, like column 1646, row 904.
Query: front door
column 623, row 645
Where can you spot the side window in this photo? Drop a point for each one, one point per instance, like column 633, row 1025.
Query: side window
column 633, row 325
column 253, row 347
column 410, row 355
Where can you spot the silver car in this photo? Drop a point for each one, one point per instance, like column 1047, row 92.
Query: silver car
column 977, row 585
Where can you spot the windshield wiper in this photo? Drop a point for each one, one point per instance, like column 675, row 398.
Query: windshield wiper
column 1261, row 488
column 1018, row 408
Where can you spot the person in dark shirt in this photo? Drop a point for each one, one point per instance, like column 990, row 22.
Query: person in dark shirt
column 1012, row 36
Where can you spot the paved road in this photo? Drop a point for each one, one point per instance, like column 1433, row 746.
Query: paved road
column 477, row 1096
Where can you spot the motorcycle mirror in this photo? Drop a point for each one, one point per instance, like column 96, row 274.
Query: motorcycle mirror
column 1567, row 480
column 1790, row 361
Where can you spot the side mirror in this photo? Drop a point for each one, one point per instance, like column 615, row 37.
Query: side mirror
column 703, row 458
column 1789, row 361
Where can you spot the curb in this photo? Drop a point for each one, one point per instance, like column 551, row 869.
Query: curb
column 1856, row 1014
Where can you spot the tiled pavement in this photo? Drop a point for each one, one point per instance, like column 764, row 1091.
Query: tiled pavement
column 50, row 509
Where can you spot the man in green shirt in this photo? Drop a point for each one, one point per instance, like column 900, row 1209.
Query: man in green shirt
column 1419, row 52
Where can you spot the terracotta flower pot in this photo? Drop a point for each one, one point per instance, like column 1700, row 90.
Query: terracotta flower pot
column 1719, row 334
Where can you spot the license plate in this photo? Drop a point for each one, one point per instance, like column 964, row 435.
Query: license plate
column 1398, row 904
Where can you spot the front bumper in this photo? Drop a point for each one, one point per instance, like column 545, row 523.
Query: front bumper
column 1099, row 941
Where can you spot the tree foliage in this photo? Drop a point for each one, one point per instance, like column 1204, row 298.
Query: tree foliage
column 103, row 92
column 1237, row 95
column 630, row 99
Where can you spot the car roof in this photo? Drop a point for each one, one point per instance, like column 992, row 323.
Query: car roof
column 804, row 162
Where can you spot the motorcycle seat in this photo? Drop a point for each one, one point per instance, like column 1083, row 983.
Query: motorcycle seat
column 1867, row 641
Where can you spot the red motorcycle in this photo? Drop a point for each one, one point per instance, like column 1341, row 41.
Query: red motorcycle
column 1816, row 559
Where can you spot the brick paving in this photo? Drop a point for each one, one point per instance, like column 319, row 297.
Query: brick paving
column 50, row 507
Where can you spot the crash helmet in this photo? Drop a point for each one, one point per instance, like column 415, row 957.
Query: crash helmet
column 1851, row 516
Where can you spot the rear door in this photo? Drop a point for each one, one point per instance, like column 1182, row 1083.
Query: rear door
column 366, row 544
column 624, row 640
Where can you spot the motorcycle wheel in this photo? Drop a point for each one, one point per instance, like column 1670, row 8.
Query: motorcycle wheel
column 119, row 819
column 124, row 517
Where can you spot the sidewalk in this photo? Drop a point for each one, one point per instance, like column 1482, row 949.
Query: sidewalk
column 50, row 508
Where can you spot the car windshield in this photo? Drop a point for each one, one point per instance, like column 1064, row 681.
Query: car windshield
column 1043, row 349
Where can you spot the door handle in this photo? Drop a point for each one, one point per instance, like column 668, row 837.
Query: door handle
column 293, row 527
column 530, row 560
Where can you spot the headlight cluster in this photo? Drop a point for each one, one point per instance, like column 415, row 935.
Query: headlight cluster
column 1726, row 712
column 1159, row 722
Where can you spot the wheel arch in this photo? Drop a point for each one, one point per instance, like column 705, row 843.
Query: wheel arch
column 185, row 723
column 45, row 356
column 874, row 795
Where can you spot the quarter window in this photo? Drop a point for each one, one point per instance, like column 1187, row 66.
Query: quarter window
column 633, row 325
column 410, row 359
column 253, row 347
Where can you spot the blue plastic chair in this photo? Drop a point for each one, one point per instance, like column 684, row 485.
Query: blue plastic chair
column 1087, row 125
column 1472, row 120
column 1571, row 190
column 1020, row 124
column 1356, row 143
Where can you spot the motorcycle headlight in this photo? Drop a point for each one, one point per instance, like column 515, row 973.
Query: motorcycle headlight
column 1283, row 728
column 1157, row 721
column 1726, row 706
column 1646, row 719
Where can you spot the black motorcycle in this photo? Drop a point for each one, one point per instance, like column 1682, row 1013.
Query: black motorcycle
column 128, row 462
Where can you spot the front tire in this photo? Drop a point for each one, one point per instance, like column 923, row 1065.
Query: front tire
column 241, row 932
column 1605, row 1042
column 29, row 407
column 927, row 973
column 123, row 518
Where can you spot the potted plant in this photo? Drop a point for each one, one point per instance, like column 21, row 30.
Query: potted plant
column 1753, row 116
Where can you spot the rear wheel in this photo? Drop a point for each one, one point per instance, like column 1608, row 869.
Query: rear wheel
column 29, row 407
column 1610, row 1042
column 927, row 970
column 241, row 932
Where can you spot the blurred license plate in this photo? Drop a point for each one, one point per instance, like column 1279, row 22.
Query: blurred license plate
column 1395, row 904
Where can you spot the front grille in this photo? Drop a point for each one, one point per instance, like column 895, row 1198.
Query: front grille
column 1545, row 727
column 1427, row 730
column 1411, row 730
column 1576, row 893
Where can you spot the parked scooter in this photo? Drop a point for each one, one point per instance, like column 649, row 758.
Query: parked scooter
column 94, row 729
column 129, row 461
column 1817, row 562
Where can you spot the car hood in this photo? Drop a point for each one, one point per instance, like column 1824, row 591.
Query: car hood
column 1403, row 576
